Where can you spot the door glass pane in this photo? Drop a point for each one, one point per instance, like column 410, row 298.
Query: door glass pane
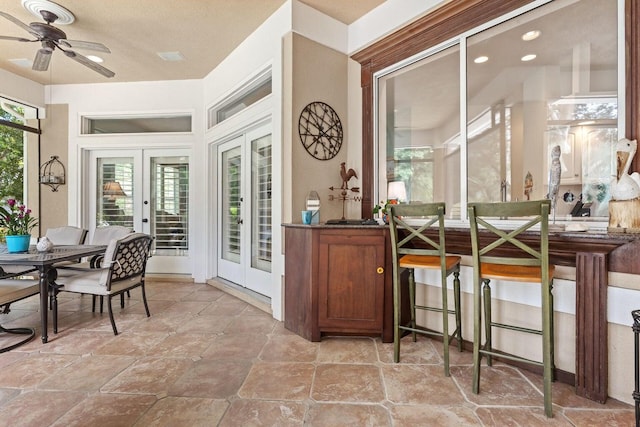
column 231, row 198
column 548, row 79
column 261, row 203
column 114, row 204
column 170, row 197
column 419, row 134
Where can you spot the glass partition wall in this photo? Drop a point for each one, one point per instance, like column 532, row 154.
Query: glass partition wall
column 475, row 119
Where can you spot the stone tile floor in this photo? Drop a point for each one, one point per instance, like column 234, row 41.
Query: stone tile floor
column 206, row 358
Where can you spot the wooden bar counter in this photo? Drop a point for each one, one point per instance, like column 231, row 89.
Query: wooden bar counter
column 338, row 280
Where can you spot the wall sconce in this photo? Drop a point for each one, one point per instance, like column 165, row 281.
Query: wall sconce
column 112, row 189
column 52, row 173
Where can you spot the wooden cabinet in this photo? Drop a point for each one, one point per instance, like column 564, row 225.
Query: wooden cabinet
column 338, row 281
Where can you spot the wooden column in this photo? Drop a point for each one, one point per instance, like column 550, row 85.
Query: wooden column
column 592, row 360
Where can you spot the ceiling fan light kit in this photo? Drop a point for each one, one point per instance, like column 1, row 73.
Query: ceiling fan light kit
column 52, row 38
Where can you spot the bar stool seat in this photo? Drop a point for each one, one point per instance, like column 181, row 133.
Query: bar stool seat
column 427, row 261
column 413, row 249
column 514, row 273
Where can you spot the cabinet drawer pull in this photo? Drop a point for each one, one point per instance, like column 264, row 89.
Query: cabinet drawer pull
column 380, row 270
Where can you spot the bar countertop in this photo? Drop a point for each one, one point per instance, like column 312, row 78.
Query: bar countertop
column 622, row 248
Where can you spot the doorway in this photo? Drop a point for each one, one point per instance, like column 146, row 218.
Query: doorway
column 245, row 210
column 147, row 191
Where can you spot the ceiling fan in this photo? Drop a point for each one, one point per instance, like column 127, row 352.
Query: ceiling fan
column 51, row 38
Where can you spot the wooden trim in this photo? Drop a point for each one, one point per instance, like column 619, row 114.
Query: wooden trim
column 443, row 23
column 592, row 359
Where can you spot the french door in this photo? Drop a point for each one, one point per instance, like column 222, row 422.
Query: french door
column 147, row 191
column 244, row 210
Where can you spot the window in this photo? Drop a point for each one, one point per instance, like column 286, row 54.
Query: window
column 14, row 130
column 250, row 93
column 419, row 130
column 474, row 119
column 138, row 124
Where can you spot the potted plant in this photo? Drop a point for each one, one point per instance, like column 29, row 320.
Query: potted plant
column 383, row 208
column 17, row 221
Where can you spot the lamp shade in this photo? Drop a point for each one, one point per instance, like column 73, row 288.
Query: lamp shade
column 113, row 189
column 396, row 190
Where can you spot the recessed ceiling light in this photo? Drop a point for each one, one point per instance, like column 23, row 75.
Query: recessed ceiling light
column 481, row 59
column 531, row 35
column 529, row 57
column 171, row 56
column 22, row 62
column 95, row 58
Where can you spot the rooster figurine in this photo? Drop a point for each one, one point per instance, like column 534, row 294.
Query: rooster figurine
column 346, row 176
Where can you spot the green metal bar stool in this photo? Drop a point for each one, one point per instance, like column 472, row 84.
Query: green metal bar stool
column 413, row 249
column 530, row 264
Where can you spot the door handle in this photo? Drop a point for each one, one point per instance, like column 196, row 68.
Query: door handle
column 145, row 220
column 240, row 221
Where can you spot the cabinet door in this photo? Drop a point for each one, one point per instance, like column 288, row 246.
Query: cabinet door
column 351, row 281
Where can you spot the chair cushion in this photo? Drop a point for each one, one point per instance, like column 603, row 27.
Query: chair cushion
column 88, row 283
column 66, row 270
column 13, row 289
column 91, row 281
column 427, row 261
column 514, row 273
column 104, row 235
column 67, row 235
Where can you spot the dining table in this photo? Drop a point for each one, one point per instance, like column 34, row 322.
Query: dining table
column 45, row 263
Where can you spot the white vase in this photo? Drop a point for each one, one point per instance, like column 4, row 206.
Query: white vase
column 44, row 245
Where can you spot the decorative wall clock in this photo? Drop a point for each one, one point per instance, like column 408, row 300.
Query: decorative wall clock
column 320, row 130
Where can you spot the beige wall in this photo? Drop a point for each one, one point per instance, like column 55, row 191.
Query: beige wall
column 54, row 141
column 317, row 74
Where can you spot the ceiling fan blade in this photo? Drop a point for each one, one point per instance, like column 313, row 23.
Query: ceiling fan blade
column 20, row 39
column 80, row 44
column 89, row 63
column 21, row 24
column 42, row 59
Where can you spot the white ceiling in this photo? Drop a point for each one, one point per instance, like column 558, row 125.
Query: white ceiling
column 204, row 32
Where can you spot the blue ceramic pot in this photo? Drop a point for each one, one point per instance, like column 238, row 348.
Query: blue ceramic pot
column 19, row 243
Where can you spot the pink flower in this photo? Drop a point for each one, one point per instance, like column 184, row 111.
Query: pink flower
column 16, row 219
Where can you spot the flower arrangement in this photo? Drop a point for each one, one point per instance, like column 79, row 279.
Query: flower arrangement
column 16, row 219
